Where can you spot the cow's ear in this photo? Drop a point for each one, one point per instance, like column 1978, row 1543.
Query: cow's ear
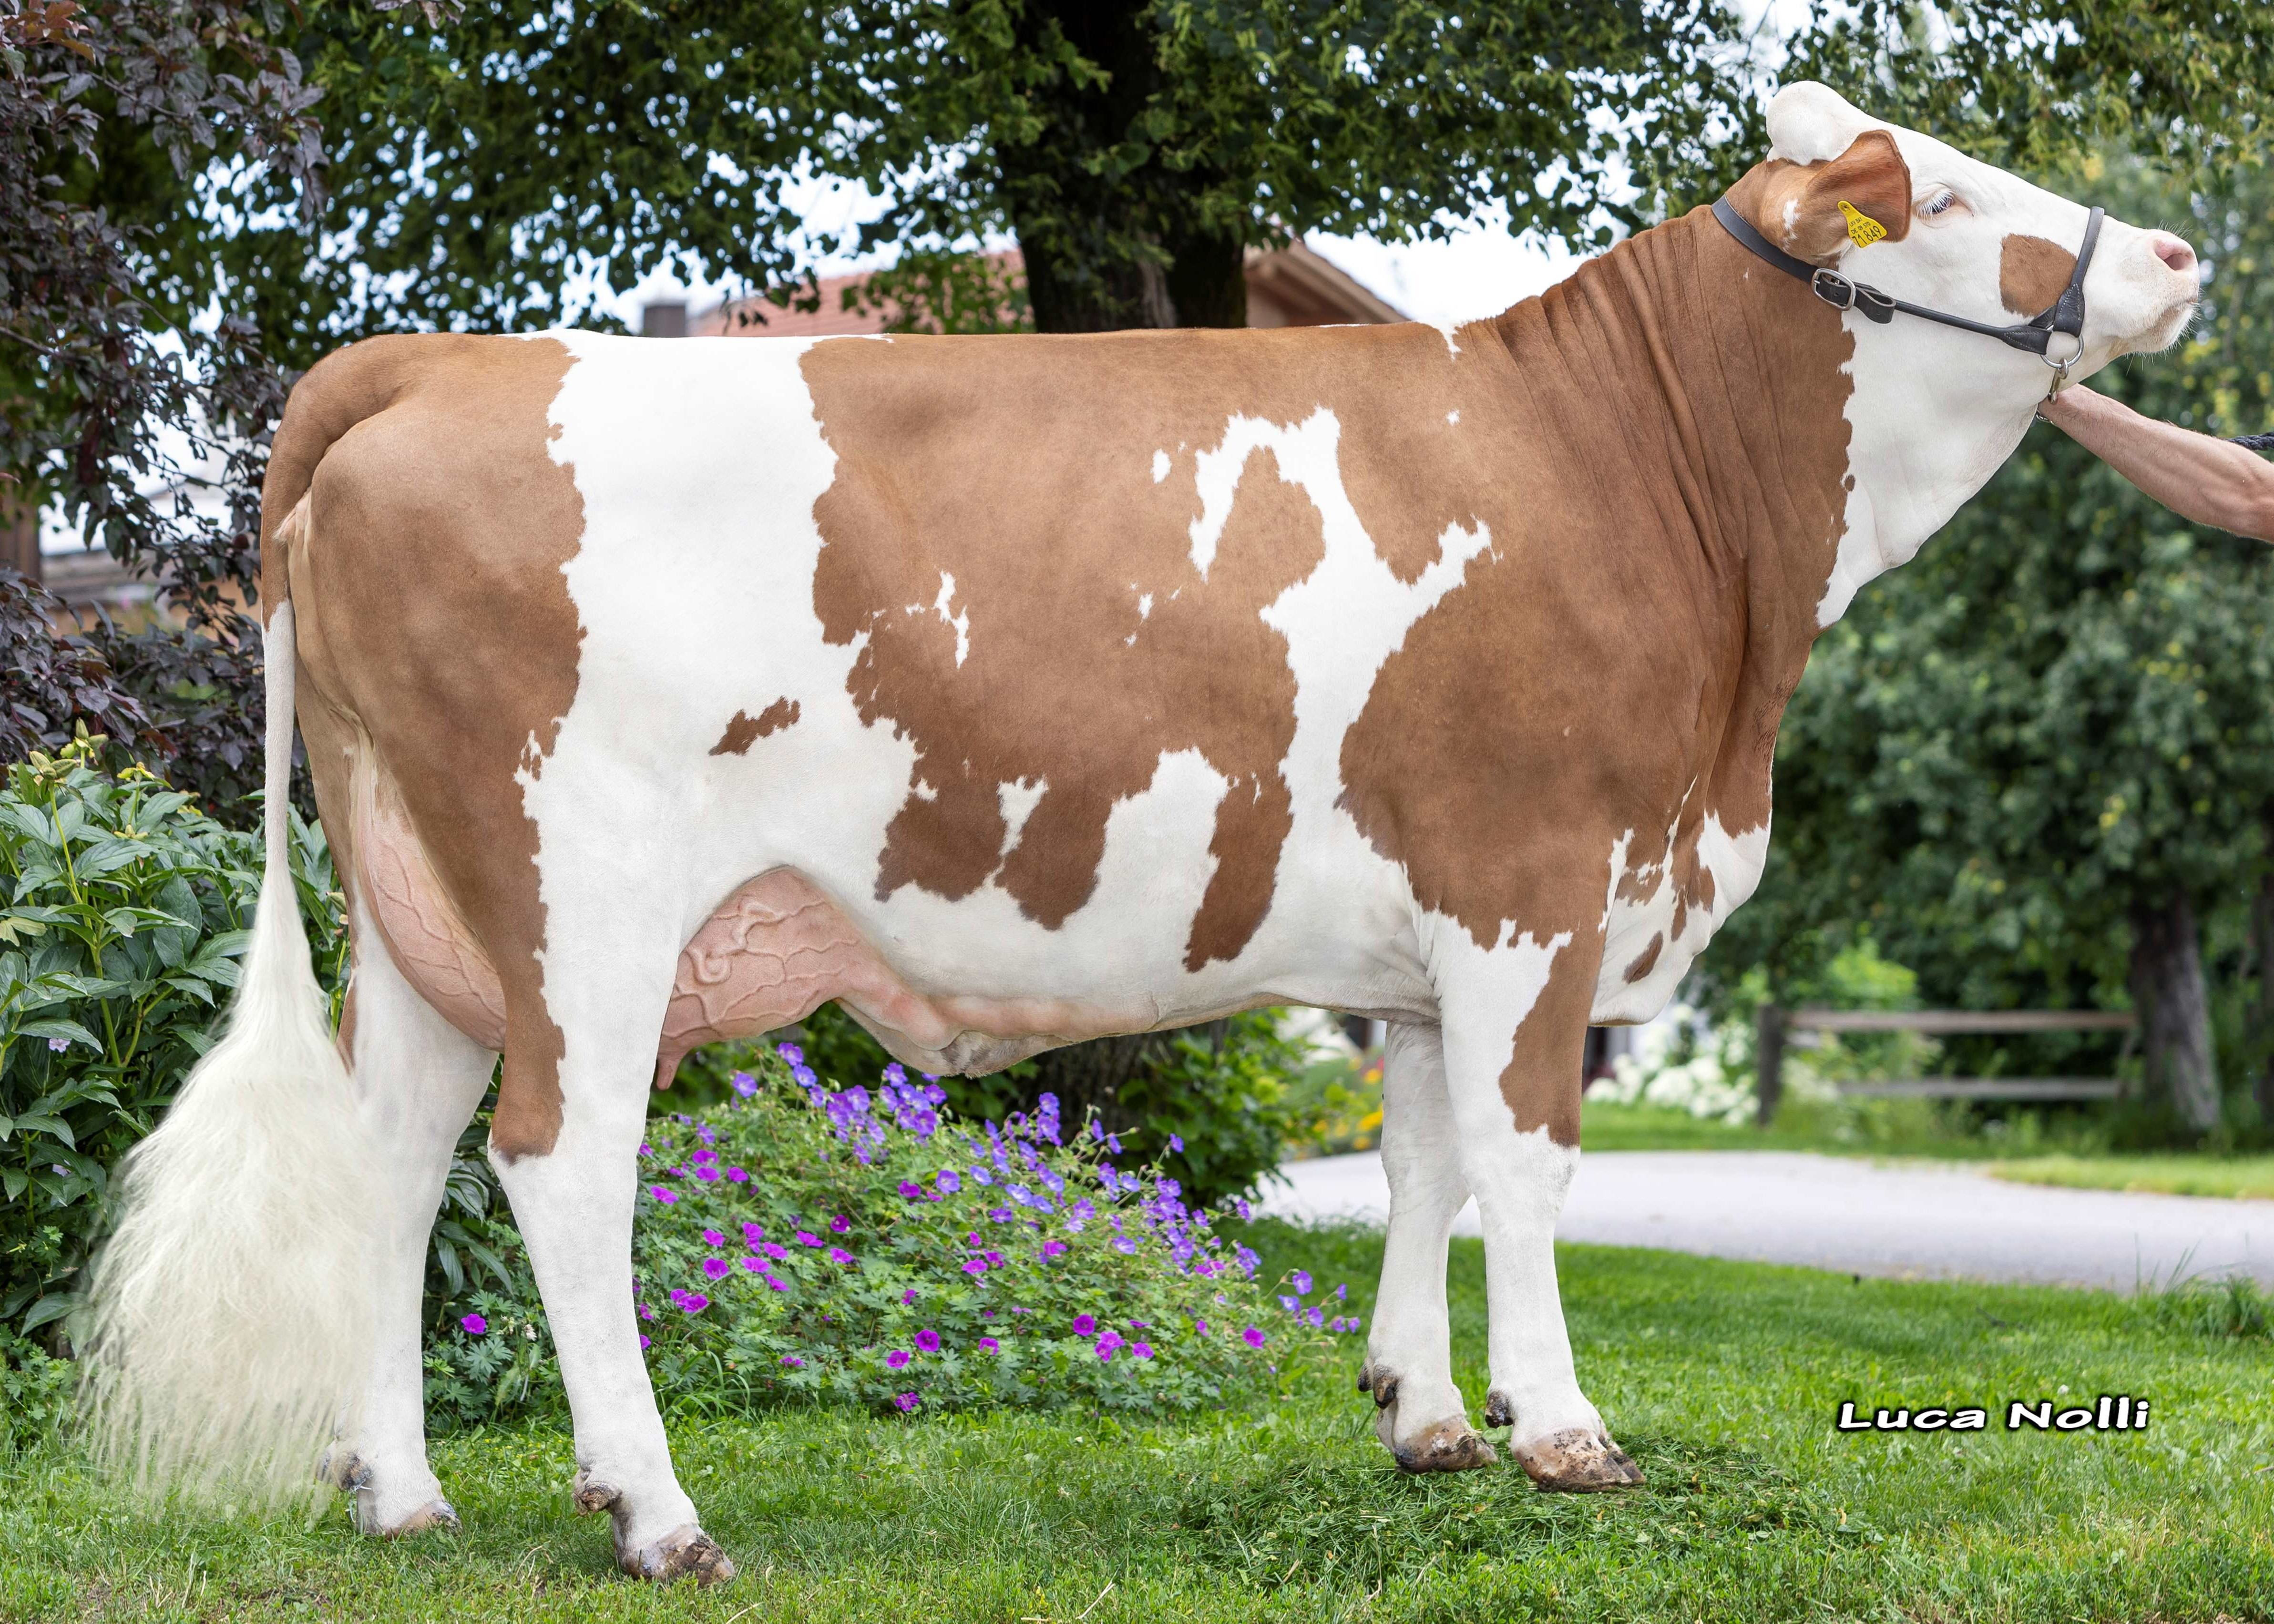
column 1859, row 197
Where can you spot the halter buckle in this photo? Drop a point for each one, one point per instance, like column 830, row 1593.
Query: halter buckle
column 1843, row 294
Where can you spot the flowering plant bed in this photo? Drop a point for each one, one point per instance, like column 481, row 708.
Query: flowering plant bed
column 859, row 1245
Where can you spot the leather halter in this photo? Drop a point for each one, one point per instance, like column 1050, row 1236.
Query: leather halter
column 2065, row 314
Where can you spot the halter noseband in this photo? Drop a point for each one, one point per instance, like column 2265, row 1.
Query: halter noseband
column 2065, row 314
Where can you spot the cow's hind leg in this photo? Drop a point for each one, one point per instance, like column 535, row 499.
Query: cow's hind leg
column 418, row 1082
column 1409, row 1364
column 572, row 1186
column 1514, row 1036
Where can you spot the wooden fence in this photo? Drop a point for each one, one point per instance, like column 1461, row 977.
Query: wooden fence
column 1775, row 1023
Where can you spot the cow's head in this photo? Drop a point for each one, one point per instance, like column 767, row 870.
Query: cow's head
column 1935, row 409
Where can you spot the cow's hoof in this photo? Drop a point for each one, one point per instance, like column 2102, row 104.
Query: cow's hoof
column 435, row 1514
column 1576, row 1461
column 1449, row 1446
column 686, row 1553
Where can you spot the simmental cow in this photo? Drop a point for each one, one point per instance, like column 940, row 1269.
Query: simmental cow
column 1012, row 691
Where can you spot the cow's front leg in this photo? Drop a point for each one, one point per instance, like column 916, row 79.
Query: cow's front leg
column 1514, row 1036
column 573, row 1199
column 1409, row 1363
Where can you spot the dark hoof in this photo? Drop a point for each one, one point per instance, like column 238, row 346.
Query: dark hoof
column 1577, row 1462
column 1449, row 1446
column 685, row 1553
column 1498, row 1410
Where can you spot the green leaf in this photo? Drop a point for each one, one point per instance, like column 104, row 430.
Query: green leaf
column 67, row 1029
column 53, row 1306
column 53, row 1126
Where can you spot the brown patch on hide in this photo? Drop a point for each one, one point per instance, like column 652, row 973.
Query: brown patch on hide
column 1796, row 206
column 744, row 730
column 1648, row 959
column 2032, row 273
column 433, row 620
column 994, row 591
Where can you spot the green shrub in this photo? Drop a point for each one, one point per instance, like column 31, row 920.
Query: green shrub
column 1212, row 1104
column 127, row 908
column 869, row 1248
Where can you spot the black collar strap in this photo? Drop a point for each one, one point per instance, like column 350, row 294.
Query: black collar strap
column 2065, row 314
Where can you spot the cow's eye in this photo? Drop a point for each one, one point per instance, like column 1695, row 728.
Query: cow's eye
column 1939, row 203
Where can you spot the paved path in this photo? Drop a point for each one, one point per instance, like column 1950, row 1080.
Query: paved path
column 1923, row 1220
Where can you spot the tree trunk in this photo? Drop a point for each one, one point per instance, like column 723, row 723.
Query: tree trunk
column 2262, row 937
column 1121, row 248
column 2167, row 985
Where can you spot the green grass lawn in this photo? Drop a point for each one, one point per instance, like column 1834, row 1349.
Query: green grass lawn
column 2251, row 1177
column 1723, row 1379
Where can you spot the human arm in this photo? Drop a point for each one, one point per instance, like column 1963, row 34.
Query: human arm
column 2203, row 480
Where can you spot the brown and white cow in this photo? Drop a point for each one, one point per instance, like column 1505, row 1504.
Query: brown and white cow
column 1017, row 691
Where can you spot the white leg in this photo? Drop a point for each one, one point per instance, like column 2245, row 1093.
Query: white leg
column 1515, row 1025
column 418, row 1081
column 1409, row 1362
column 573, row 1206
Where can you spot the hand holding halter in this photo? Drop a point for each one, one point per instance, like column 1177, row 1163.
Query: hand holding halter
column 2064, row 315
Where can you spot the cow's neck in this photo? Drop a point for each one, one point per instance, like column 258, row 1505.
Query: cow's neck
column 1802, row 475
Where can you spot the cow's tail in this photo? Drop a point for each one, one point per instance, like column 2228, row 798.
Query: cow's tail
column 231, row 1311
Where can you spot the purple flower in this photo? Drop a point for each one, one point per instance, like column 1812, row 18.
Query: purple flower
column 975, row 1266
column 1288, row 1302
column 715, row 1267
column 773, row 1284
column 948, row 1181
column 988, row 1344
column 1108, row 1343
column 1200, row 1325
column 1341, row 1292
column 790, row 1052
column 1253, row 1337
column 772, row 1250
column 911, row 1189
column 474, row 1325
column 58, row 1044
column 929, row 1341
column 647, row 1310
column 1301, row 1280
column 1054, row 1248
column 793, row 1361
column 1143, row 1350
column 897, row 1358
column 665, row 1196
column 708, row 1174
column 982, row 1175
column 745, row 1084
column 804, row 1076
column 906, row 1402
column 807, row 1238
column 647, row 1150
column 994, row 1260
column 1122, row 1243
column 694, row 1302
column 644, row 1343
column 1241, row 1207
column 707, row 1134
column 1176, row 1142
column 1000, row 1214
column 753, row 1266
column 712, row 1238
column 1084, row 1324
column 754, row 1233
column 1314, row 1317
column 735, row 1175
column 908, row 1297
column 895, row 1072
column 839, row 1256
column 1113, row 1144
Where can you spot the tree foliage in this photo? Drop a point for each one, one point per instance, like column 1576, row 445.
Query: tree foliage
column 2050, row 730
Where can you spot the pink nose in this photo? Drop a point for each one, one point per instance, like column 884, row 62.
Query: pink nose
column 2172, row 251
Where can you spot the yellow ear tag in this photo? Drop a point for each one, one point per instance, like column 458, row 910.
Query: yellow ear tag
column 1863, row 230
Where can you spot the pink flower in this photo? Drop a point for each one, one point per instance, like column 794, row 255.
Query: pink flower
column 712, row 1238
column 1143, row 1350
column 989, row 1345
column 773, row 1284
column 776, row 1252
column 1084, row 1324
column 695, row 1303
column 908, row 1297
column 665, row 1196
column 474, row 1325
column 1107, row 1344
column 1253, row 1337
column 644, row 1343
column 807, row 1238
column 1054, row 1248
column 975, row 1266
column 753, row 1266
column 911, row 1189
column 839, row 1256
column 793, row 1361
column 715, row 1267
column 753, row 1233
column 708, row 1175
column 929, row 1341
column 840, row 1224
column 1200, row 1325
column 906, row 1402
column 735, row 1175
column 898, row 1359
column 647, row 1310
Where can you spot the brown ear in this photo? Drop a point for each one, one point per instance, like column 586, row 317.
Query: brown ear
column 1796, row 206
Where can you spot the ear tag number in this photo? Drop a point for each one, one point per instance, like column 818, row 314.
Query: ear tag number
column 1863, row 230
